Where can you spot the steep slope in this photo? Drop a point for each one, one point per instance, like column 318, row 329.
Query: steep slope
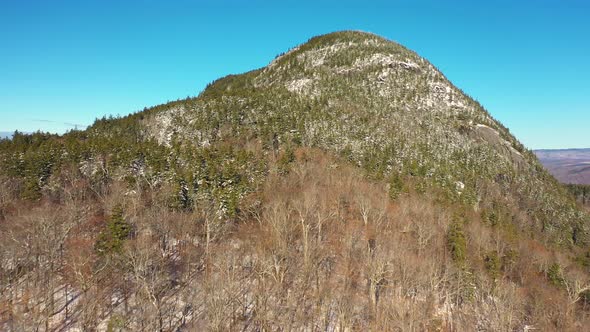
column 386, row 109
column 347, row 186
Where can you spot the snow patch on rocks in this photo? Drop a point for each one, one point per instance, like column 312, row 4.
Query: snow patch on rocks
column 459, row 186
column 163, row 127
column 375, row 59
column 385, row 60
column 443, row 95
column 300, row 86
column 317, row 57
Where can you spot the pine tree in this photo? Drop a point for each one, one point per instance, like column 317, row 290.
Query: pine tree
column 111, row 239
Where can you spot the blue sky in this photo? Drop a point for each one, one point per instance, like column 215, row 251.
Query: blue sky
column 64, row 63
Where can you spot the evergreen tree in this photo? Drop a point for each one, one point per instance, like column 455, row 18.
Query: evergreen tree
column 111, row 239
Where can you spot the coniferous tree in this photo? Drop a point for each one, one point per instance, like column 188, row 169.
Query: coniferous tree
column 111, row 239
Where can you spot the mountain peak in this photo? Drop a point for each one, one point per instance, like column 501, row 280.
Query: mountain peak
column 336, row 37
column 341, row 43
column 381, row 105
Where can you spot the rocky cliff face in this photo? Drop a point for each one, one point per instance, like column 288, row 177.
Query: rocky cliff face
column 386, row 109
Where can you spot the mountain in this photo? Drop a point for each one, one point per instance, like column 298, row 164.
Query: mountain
column 348, row 185
column 384, row 108
column 567, row 165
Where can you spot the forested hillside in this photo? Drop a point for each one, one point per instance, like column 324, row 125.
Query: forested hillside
column 581, row 192
column 348, row 185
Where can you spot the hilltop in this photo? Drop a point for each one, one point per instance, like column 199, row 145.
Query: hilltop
column 348, row 185
column 384, row 108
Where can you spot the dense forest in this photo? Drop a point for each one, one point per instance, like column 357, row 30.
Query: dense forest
column 581, row 192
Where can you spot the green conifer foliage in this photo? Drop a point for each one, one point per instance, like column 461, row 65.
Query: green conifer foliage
column 457, row 242
column 31, row 190
column 555, row 275
column 285, row 160
column 111, row 239
column 492, row 264
column 396, row 186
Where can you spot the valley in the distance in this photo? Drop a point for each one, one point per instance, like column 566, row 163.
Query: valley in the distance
column 567, row 165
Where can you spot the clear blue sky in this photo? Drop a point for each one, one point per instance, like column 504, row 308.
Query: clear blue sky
column 68, row 62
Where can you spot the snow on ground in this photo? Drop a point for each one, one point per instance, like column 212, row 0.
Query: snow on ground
column 316, row 57
column 300, row 86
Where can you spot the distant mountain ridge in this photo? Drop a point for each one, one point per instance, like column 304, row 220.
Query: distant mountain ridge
column 5, row 134
column 567, row 165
